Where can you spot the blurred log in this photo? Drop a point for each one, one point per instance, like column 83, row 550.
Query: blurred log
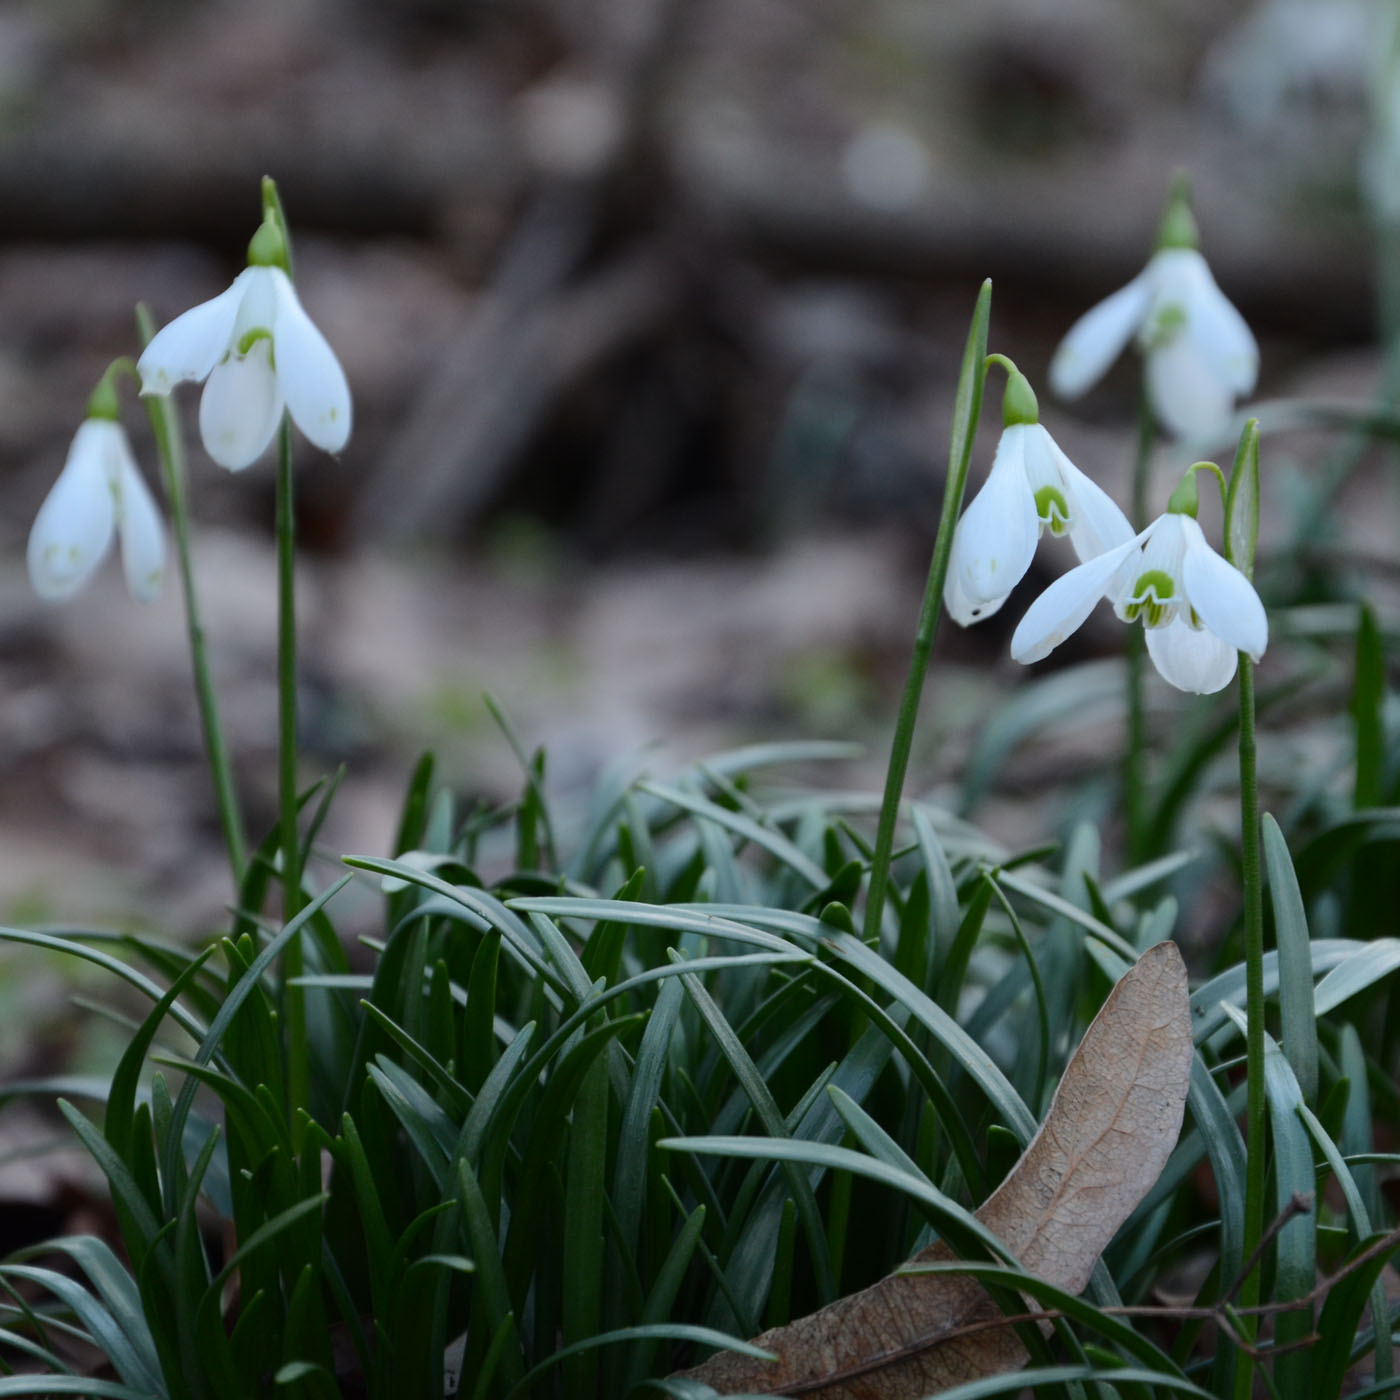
column 1065, row 233
column 494, row 387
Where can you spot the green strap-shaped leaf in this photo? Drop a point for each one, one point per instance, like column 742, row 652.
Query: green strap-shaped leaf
column 1242, row 502
column 1295, row 974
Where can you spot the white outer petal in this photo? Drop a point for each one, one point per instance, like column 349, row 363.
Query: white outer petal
column 139, row 526
column 1096, row 522
column 1191, row 660
column 1223, row 598
column 193, row 343
column 995, row 540
column 1097, row 338
column 1062, row 608
column 1191, row 400
column 960, row 607
column 313, row 383
column 73, row 529
column 240, row 408
column 1218, row 331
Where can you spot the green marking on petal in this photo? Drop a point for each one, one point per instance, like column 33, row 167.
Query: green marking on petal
column 1166, row 324
column 1052, row 509
column 1154, row 582
column 1150, row 598
column 250, row 339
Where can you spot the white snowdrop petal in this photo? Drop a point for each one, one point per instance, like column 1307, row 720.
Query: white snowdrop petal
column 1222, row 337
column 240, row 408
column 315, row 387
column 193, row 343
column 1040, row 458
column 1097, row 338
column 1163, row 546
column 1223, row 598
column 962, row 609
column 140, row 529
column 1194, row 661
column 1062, row 608
column 1096, row 522
column 257, row 307
column 995, row 540
column 1190, row 399
column 73, row 529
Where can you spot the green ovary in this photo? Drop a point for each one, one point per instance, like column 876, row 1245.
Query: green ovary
column 1053, row 509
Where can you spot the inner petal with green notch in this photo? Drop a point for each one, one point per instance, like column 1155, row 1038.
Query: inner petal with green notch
column 250, row 338
column 1053, row 509
column 1162, row 326
column 1151, row 599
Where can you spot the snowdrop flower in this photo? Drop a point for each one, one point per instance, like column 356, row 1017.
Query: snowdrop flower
column 259, row 352
column 1032, row 486
column 1200, row 355
column 98, row 494
column 1199, row 610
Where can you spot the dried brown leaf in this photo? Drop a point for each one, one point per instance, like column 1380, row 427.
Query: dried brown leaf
column 1113, row 1122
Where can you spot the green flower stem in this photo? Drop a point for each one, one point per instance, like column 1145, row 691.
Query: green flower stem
column 1241, row 543
column 171, row 452
column 1135, row 756
column 294, row 998
column 1255, row 1113
column 966, row 410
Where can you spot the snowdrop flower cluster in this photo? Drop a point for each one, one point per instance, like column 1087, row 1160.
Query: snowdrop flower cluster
column 258, row 353
column 1199, row 354
column 1198, row 610
column 99, row 495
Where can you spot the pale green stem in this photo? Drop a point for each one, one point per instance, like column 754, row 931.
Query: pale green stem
column 1256, row 1109
column 1135, row 756
column 294, row 1002
column 964, row 429
column 171, row 453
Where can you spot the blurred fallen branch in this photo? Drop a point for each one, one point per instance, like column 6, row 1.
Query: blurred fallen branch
column 494, row 388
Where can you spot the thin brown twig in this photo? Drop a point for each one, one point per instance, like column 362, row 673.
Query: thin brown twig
column 1301, row 1203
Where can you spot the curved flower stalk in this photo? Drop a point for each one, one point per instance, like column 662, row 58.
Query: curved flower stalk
column 259, row 352
column 1198, row 610
column 1199, row 354
column 1031, row 487
column 100, row 493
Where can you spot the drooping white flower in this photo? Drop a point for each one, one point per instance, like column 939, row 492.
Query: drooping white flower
column 98, row 494
column 1032, row 485
column 1200, row 355
column 259, row 351
column 1199, row 610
